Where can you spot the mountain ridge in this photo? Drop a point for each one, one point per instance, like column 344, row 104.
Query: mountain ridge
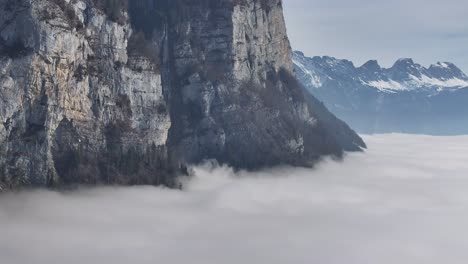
column 405, row 74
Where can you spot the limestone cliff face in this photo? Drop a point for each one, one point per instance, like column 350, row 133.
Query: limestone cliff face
column 130, row 92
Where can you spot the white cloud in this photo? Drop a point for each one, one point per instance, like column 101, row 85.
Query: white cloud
column 404, row 201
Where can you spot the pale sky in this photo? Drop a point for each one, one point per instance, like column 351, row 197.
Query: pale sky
column 359, row 30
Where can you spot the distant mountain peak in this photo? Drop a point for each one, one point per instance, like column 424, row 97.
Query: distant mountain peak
column 443, row 65
column 371, row 65
column 299, row 53
column 404, row 61
column 332, row 60
column 446, row 70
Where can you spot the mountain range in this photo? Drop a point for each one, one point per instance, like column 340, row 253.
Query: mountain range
column 405, row 98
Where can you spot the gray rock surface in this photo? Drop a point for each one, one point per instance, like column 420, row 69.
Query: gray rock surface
column 110, row 92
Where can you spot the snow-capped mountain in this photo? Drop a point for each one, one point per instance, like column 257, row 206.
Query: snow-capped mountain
column 406, row 98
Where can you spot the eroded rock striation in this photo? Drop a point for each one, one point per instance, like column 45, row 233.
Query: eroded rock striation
column 117, row 92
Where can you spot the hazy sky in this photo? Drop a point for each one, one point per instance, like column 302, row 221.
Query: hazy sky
column 397, row 203
column 426, row 30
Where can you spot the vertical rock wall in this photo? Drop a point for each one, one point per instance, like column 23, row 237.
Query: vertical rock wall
column 92, row 93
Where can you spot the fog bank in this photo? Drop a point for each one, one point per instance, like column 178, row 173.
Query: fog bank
column 403, row 201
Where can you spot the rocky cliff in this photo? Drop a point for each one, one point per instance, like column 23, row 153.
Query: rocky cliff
column 117, row 92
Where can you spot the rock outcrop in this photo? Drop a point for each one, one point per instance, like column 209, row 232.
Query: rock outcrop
column 117, row 92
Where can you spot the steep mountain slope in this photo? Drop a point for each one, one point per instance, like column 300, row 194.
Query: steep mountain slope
column 130, row 92
column 406, row 98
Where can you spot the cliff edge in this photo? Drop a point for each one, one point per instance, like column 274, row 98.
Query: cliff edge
column 117, row 92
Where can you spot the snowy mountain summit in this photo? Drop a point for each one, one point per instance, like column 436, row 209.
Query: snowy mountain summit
column 405, row 98
column 405, row 74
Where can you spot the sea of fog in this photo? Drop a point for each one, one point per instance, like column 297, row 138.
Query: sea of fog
column 404, row 201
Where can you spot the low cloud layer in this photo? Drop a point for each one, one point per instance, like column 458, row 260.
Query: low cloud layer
column 404, row 201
